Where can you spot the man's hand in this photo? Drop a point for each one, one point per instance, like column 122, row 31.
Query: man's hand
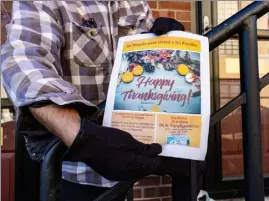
column 162, row 25
column 113, row 153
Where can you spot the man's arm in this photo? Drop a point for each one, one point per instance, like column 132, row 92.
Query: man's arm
column 145, row 23
column 141, row 11
column 63, row 122
column 31, row 68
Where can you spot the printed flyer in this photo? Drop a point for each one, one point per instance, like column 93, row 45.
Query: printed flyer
column 160, row 92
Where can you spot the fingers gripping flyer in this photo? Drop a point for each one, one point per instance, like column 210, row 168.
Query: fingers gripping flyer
column 160, row 92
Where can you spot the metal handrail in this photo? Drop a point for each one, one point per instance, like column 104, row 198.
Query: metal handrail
column 262, row 34
column 234, row 24
column 244, row 24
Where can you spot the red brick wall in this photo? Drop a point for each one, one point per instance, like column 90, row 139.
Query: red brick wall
column 177, row 10
column 151, row 188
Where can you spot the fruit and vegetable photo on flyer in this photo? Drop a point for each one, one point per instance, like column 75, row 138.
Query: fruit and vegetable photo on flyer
column 161, row 80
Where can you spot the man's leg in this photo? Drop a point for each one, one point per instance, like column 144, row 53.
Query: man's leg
column 77, row 192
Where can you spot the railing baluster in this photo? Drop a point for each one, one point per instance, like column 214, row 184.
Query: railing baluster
column 251, row 115
column 193, row 181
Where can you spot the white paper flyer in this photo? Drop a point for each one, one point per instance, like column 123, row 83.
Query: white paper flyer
column 160, row 92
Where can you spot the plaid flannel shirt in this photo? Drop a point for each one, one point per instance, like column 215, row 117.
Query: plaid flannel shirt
column 51, row 55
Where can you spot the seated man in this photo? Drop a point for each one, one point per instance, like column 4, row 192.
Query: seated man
column 56, row 67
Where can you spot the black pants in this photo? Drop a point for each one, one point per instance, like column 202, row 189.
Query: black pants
column 77, row 192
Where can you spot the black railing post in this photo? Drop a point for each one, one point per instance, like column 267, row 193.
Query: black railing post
column 181, row 188
column 251, row 115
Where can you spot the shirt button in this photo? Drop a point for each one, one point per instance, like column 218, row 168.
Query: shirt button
column 92, row 32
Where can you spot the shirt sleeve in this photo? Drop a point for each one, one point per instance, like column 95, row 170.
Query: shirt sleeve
column 30, row 58
column 137, row 17
column 146, row 20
